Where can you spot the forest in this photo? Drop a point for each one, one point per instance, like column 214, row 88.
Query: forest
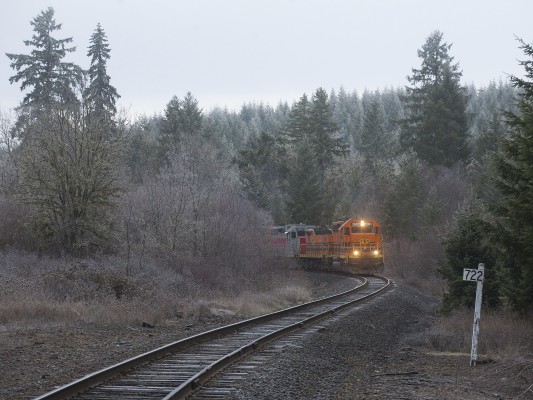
column 94, row 202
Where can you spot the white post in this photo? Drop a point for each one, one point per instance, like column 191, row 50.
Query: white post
column 477, row 315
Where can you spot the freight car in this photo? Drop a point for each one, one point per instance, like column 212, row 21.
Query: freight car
column 355, row 244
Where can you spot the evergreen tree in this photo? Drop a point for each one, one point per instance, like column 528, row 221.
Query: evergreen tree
column 376, row 142
column 43, row 69
column 513, row 182
column 487, row 102
column 487, row 140
column 402, row 202
column 304, row 186
column 393, row 108
column 226, row 127
column 466, row 245
column 435, row 125
column 324, row 131
column 190, row 116
column 442, row 137
column 431, row 211
column 100, row 93
column 171, row 124
column 298, row 122
column 182, row 119
column 142, row 148
column 347, row 113
column 311, row 136
column 255, row 163
column 344, row 185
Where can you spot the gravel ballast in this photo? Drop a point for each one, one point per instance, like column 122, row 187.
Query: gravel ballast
column 374, row 351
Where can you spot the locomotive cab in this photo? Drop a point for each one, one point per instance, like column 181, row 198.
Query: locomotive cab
column 359, row 242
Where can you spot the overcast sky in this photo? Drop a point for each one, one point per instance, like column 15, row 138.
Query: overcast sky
column 230, row 52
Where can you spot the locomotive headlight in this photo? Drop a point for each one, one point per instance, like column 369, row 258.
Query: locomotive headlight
column 356, row 252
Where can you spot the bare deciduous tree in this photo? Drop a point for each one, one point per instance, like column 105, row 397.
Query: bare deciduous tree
column 8, row 144
column 69, row 178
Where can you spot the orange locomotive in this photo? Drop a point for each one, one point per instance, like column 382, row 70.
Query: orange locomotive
column 359, row 242
column 355, row 245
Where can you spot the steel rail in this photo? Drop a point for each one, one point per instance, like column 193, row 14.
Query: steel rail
column 207, row 373
column 106, row 374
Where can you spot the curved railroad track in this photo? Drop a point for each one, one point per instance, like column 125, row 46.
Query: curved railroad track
column 177, row 369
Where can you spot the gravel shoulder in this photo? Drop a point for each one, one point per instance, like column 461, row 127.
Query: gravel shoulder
column 374, row 352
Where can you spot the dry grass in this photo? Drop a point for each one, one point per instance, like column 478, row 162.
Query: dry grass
column 43, row 290
column 502, row 336
column 33, row 311
column 253, row 304
column 504, row 343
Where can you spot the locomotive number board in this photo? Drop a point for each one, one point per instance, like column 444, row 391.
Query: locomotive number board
column 361, row 224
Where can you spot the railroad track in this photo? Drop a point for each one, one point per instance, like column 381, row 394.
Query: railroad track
column 176, row 370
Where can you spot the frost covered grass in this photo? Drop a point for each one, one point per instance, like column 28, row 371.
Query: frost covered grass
column 45, row 290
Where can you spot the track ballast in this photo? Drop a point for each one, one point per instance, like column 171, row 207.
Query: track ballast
column 181, row 368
